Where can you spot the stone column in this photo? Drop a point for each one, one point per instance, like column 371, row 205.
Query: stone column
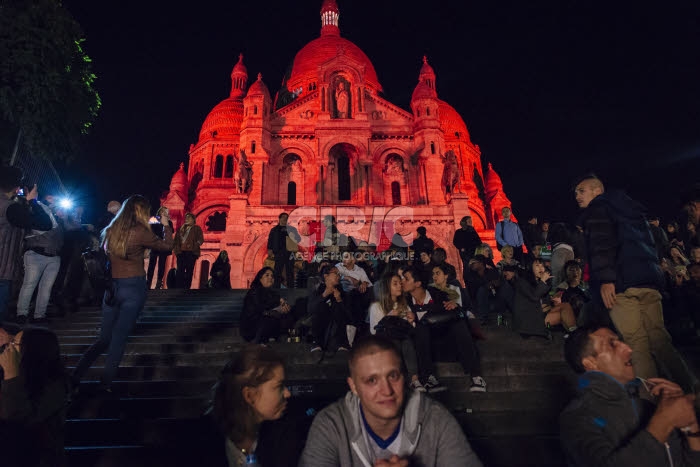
column 235, row 233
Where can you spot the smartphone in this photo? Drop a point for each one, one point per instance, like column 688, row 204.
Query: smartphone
column 20, row 192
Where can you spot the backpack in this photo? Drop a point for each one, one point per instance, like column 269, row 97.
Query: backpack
column 99, row 272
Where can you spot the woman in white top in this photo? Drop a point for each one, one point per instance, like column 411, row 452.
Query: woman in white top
column 392, row 302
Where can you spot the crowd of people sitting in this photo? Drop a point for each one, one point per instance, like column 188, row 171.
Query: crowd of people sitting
column 614, row 284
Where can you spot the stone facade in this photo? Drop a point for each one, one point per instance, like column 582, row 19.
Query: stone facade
column 328, row 143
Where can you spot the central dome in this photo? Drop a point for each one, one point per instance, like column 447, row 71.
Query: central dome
column 320, row 50
column 327, row 47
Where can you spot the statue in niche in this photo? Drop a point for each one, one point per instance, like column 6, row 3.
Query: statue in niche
column 342, row 100
column 450, row 172
column 245, row 174
column 394, row 166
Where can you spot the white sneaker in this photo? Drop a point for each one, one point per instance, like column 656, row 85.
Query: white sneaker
column 416, row 386
column 350, row 331
column 316, row 348
column 432, row 385
column 478, row 384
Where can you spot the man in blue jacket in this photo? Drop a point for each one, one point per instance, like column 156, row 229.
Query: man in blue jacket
column 608, row 424
column 625, row 277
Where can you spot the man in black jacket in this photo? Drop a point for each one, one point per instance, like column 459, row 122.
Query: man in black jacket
column 626, row 277
column 282, row 244
column 608, row 424
column 425, row 301
column 466, row 240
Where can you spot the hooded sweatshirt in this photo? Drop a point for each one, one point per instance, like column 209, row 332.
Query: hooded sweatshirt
column 431, row 436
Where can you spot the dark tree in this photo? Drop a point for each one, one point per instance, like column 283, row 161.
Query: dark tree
column 46, row 79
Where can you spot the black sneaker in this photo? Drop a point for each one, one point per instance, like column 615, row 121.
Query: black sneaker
column 432, row 385
column 21, row 319
column 40, row 320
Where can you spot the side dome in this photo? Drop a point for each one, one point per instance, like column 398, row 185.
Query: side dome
column 322, row 49
column 179, row 180
column 225, row 119
column 451, row 122
column 494, row 184
column 259, row 88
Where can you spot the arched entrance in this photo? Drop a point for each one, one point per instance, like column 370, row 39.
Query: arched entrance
column 341, row 165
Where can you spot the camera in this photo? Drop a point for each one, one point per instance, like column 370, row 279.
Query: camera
column 20, row 192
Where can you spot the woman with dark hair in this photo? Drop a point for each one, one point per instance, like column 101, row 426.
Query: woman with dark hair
column 221, row 272
column 678, row 258
column 188, row 239
column 330, row 313
column 34, row 397
column 250, row 399
column 528, row 317
column 265, row 314
column 441, row 276
column 125, row 241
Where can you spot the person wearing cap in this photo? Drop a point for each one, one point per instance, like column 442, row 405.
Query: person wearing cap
column 17, row 213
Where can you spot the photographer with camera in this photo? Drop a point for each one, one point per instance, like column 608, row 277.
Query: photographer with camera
column 42, row 262
column 18, row 211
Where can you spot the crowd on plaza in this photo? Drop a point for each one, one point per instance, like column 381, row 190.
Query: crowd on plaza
column 614, row 284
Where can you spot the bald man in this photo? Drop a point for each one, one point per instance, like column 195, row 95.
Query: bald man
column 626, row 277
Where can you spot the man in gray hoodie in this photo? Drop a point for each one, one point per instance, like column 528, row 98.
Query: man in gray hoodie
column 379, row 424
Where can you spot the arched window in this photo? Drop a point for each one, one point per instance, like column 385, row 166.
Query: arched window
column 343, row 178
column 252, row 147
column 432, row 147
column 216, row 222
column 395, row 193
column 228, row 170
column 291, row 193
column 219, row 166
column 427, row 111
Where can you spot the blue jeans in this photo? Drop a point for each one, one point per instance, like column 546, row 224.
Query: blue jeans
column 42, row 271
column 5, row 290
column 117, row 323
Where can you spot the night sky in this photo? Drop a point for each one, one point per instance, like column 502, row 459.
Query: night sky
column 548, row 89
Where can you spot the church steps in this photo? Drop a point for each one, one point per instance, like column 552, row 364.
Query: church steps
column 173, row 358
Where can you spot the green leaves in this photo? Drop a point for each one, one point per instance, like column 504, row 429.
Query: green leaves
column 46, row 81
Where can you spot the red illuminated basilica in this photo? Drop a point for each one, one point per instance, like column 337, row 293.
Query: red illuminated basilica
column 329, row 143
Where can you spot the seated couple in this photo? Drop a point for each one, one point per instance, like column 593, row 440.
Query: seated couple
column 430, row 314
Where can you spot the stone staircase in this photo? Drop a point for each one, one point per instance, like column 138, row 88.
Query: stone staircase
column 183, row 338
